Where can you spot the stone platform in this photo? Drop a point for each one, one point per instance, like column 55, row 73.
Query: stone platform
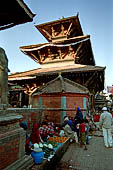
column 12, row 140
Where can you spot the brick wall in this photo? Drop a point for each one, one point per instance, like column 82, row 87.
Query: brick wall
column 52, row 104
column 30, row 115
column 12, row 147
column 75, row 100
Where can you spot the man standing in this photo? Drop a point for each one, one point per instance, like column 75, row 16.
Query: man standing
column 105, row 123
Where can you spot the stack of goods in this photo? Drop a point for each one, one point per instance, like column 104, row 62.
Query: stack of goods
column 60, row 139
column 48, row 149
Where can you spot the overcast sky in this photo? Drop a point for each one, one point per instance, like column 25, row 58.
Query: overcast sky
column 96, row 18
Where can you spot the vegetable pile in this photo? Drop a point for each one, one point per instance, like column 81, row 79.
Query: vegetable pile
column 60, row 139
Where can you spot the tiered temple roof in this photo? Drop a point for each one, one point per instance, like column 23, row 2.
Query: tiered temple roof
column 67, row 51
column 66, row 42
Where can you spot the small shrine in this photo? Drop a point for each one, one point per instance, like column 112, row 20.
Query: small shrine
column 57, row 96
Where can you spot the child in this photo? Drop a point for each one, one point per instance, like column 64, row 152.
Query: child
column 82, row 134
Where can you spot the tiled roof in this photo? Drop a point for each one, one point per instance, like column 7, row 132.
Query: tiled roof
column 61, row 85
column 60, row 42
column 77, row 68
column 79, row 43
column 45, row 28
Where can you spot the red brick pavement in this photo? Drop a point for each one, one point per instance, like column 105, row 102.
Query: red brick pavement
column 97, row 157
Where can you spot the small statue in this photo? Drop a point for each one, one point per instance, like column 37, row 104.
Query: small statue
column 3, row 79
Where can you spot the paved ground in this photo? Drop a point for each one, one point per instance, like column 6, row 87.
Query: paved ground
column 97, row 157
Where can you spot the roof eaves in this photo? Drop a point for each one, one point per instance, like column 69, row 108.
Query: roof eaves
column 26, row 9
column 56, row 21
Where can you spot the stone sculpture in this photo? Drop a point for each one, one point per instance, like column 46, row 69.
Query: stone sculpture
column 3, row 79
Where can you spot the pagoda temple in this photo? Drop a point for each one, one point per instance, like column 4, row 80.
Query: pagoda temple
column 68, row 52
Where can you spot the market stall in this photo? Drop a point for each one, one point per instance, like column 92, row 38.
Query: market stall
column 53, row 151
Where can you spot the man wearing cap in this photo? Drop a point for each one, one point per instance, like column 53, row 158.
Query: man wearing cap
column 105, row 123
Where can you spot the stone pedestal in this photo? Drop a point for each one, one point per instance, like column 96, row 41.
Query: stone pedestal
column 12, row 139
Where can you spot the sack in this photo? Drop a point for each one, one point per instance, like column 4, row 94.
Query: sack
column 76, row 137
column 61, row 133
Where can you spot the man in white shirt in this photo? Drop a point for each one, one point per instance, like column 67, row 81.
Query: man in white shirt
column 106, row 123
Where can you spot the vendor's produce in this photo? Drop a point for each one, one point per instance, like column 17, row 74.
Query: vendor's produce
column 61, row 139
column 53, row 143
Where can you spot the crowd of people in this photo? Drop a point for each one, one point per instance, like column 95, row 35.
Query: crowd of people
column 39, row 134
column 76, row 128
